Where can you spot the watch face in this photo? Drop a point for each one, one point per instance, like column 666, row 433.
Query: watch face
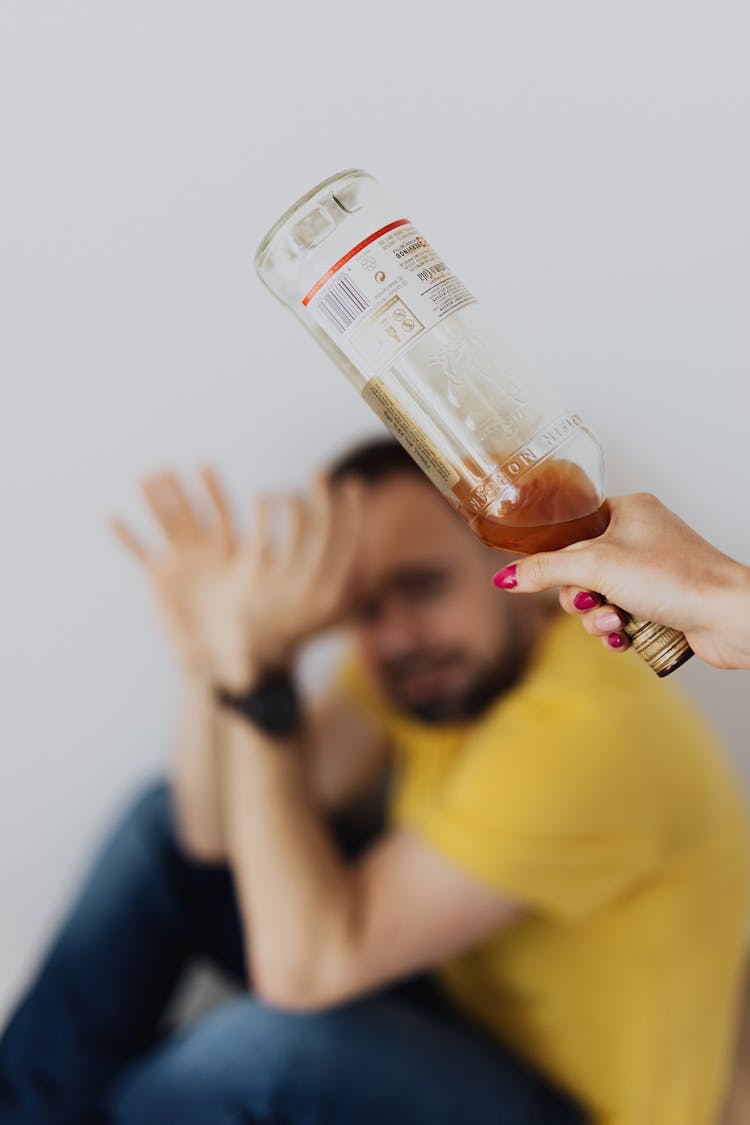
column 272, row 705
column 277, row 706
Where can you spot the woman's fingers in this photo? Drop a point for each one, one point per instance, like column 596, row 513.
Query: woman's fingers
column 558, row 568
column 575, row 600
column 616, row 642
column 603, row 620
column 606, row 622
column 599, row 620
column 574, row 564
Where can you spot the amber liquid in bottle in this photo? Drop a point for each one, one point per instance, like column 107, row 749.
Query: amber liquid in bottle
column 551, row 506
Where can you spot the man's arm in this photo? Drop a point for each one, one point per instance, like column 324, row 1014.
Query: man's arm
column 197, row 542
column 344, row 752
column 343, row 756
column 317, row 930
column 195, row 771
column 197, row 560
column 320, row 931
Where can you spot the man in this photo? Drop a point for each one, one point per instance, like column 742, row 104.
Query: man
column 564, row 847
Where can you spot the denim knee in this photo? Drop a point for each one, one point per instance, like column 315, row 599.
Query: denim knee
column 137, row 852
column 245, row 1061
column 369, row 1062
column 150, row 814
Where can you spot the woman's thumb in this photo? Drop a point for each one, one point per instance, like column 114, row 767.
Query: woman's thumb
column 548, row 569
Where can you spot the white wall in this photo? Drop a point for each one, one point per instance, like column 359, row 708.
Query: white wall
column 583, row 166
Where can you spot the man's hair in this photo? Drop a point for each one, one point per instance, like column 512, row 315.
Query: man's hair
column 372, row 461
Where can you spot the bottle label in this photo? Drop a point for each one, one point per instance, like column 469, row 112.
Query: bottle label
column 384, row 294
column 395, row 418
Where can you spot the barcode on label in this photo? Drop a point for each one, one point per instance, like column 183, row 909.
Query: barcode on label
column 342, row 303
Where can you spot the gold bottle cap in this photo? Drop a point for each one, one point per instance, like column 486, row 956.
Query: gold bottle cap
column 664, row 649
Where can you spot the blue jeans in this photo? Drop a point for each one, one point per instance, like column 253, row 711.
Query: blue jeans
column 87, row 1044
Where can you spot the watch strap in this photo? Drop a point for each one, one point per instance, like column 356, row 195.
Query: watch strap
column 272, row 703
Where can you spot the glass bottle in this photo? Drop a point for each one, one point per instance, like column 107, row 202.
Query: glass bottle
column 522, row 470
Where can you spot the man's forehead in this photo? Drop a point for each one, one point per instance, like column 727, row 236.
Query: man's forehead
column 408, row 523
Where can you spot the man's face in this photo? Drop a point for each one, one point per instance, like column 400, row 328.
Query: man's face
column 436, row 636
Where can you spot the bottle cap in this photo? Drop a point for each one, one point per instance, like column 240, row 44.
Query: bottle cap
column 664, row 649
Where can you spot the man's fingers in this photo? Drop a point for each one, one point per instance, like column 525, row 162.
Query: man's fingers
column 321, row 525
column 163, row 505
column 256, row 549
column 181, row 507
column 349, row 520
column 219, row 504
column 297, row 519
column 129, row 540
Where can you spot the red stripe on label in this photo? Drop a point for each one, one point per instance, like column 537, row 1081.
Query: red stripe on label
column 348, row 256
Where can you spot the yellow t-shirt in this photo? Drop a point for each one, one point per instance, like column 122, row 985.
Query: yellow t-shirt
column 594, row 794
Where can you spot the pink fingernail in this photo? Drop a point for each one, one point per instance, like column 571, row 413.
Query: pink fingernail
column 608, row 621
column 584, row 600
column 506, row 578
column 614, row 640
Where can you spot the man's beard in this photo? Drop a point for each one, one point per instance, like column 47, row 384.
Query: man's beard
column 485, row 686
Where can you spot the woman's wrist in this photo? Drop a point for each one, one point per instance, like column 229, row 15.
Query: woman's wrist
column 725, row 612
column 737, row 594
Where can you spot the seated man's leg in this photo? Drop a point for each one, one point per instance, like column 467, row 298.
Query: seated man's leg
column 379, row 1060
column 99, row 997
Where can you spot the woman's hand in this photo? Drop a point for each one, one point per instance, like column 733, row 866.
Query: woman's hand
column 233, row 605
column 653, row 565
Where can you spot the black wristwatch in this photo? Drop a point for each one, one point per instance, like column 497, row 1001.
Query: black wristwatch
column 272, row 704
